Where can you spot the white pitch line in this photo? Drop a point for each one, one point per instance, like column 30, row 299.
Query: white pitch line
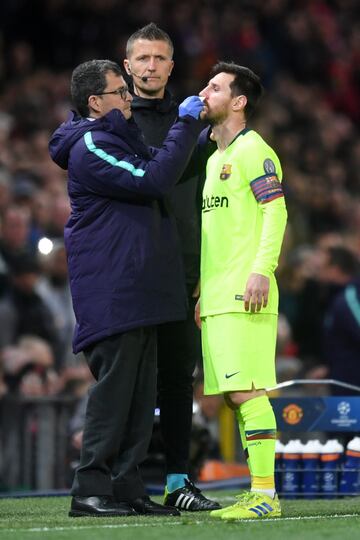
column 108, row 526
column 130, row 525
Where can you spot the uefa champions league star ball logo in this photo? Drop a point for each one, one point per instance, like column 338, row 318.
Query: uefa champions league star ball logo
column 344, row 408
column 344, row 418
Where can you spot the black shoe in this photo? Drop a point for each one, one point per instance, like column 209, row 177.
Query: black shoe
column 145, row 506
column 189, row 498
column 103, row 506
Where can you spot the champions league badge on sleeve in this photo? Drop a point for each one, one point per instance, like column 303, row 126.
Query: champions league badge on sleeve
column 269, row 166
column 225, row 171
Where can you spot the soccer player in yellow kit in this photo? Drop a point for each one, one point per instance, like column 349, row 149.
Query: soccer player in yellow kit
column 243, row 223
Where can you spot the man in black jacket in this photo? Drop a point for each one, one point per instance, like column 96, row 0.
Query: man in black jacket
column 149, row 62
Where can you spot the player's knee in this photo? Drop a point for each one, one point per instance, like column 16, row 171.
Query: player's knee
column 230, row 401
column 235, row 399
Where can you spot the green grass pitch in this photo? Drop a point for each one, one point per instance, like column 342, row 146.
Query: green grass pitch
column 46, row 519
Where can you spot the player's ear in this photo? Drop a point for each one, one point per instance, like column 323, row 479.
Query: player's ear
column 171, row 67
column 239, row 103
column 127, row 66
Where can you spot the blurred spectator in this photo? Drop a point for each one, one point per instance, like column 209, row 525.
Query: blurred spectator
column 28, row 367
column 342, row 339
column 60, row 212
column 288, row 365
column 5, row 189
column 308, row 284
column 53, row 287
column 22, row 310
column 341, row 328
column 15, row 233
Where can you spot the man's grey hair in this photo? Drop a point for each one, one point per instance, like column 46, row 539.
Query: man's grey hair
column 90, row 78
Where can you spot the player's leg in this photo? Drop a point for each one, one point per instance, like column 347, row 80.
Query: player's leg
column 257, row 416
column 241, row 427
column 241, row 355
column 259, row 421
column 178, row 353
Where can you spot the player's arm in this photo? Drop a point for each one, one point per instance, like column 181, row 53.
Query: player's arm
column 274, row 223
column 267, row 190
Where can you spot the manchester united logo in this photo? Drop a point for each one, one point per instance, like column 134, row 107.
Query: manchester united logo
column 292, row 414
column 225, row 172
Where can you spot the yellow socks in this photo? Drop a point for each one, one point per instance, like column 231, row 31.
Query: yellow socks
column 257, row 421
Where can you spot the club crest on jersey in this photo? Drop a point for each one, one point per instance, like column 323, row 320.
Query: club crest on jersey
column 225, row 171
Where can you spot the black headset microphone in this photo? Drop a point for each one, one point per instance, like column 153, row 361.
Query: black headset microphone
column 142, row 77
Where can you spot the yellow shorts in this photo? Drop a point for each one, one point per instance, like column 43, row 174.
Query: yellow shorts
column 238, row 351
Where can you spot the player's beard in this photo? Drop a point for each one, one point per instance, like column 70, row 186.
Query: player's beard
column 216, row 117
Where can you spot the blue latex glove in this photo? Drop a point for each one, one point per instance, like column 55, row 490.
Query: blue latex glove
column 191, row 106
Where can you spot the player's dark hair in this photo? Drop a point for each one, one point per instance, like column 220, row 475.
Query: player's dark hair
column 245, row 82
column 90, row 78
column 151, row 32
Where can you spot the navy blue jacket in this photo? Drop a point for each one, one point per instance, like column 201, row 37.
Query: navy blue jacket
column 123, row 258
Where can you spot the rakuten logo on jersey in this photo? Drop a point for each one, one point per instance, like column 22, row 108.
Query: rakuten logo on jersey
column 210, row 203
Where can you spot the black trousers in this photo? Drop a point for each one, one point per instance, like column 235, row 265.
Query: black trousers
column 179, row 349
column 119, row 415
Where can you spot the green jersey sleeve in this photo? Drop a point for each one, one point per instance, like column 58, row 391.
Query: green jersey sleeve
column 262, row 170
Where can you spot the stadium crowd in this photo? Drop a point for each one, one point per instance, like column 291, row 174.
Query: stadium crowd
column 308, row 55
